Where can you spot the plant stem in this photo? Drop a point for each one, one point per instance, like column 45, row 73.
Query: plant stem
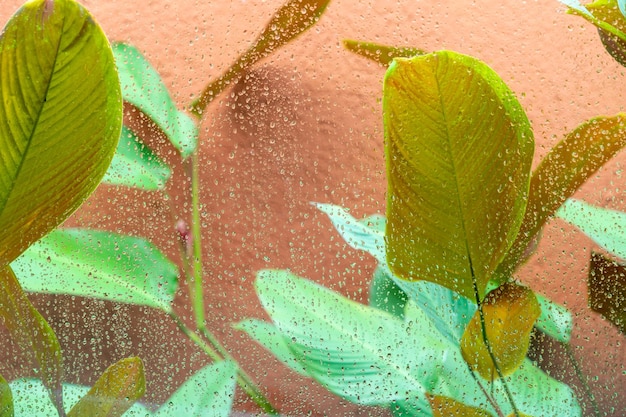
column 198, row 296
column 493, row 402
column 581, row 377
column 243, row 379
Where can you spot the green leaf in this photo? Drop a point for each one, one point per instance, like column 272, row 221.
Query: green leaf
column 381, row 54
column 208, row 393
column 135, row 165
column 114, row 392
column 60, row 119
column 143, row 88
column 30, row 399
column 555, row 320
column 508, row 316
column 99, row 264
column 292, row 19
column 607, row 289
column 6, row 399
column 604, row 14
column 606, row 227
column 458, row 149
column 385, row 294
column 561, row 172
column 372, row 357
column 32, row 333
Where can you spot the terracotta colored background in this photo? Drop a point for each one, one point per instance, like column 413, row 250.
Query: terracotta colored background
column 306, row 126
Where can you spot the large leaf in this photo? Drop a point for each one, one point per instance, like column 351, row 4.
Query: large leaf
column 114, row 392
column 60, row 118
column 32, row 333
column 508, row 316
column 566, row 167
column 380, row 53
column 606, row 227
column 142, row 87
column 293, row 18
column 607, row 289
column 208, row 393
column 135, row 165
column 385, row 294
column 458, row 149
column 99, row 264
column 372, row 357
column 6, row 399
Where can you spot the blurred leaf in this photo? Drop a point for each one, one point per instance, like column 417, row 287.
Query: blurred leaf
column 381, row 54
column 6, row 399
column 60, row 121
column 33, row 334
column 606, row 227
column 372, row 357
column 607, row 289
column 29, row 399
column 143, row 88
column 208, row 393
column 448, row 407
column 509, row 312
column 458, row 150
column 561, row 172
column 99, row 264
column 292, row 19
column 135, row 165
column 385, row 295
column 555, row 320
column 114, row 392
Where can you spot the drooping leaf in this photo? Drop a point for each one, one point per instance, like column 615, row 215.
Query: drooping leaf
column 448, row 407
column 561, row 172
column 30, row 399
column 509, row 312
column 381, row 54
column 607, row 289
column 6, row 399
column 135, row 165
column 371, row 357
column 555, row 320
column 292, row 19
column 99, row 264
column 606, row 227
column 143, row 88
column 458, row 150
column 209, row 392
column 60, row 118
column 114, row 392
column 385, row 293
column 32, row 333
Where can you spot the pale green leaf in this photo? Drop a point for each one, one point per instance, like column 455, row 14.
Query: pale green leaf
column 99, row 264
column 459, row 149
column 208, row 393
column 555, row 320
column 385, row 294
column 135, row 165
column 114, row 392
column 381, row 54
column 60, row 118
column 143, row 88
column 32, row 334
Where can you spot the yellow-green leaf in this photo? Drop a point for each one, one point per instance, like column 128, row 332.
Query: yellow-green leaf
column 607, row 289
column 6, row 399
column 448, row 407
column 382, row 54
column 509, row 312
column 458, row 149
column 32, row 333
column 114, row 392
column 60, row 118
column 565, row 168
column 293, row 18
